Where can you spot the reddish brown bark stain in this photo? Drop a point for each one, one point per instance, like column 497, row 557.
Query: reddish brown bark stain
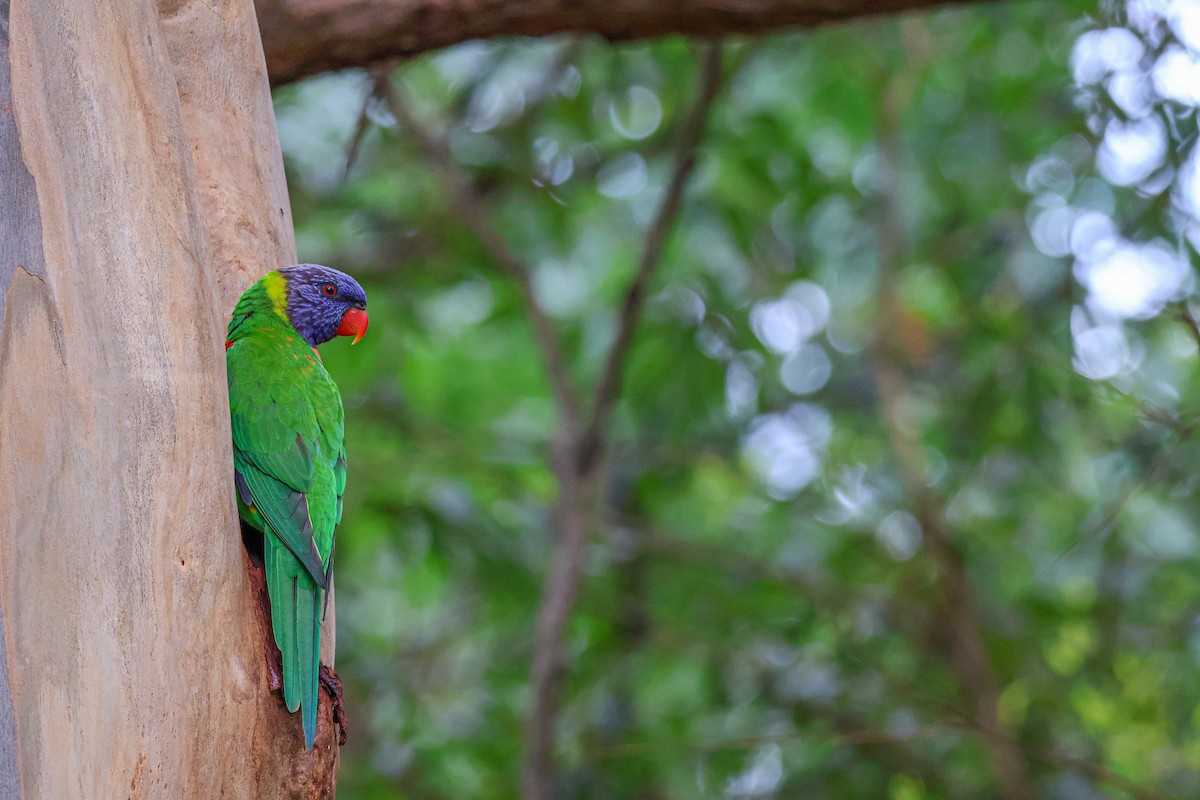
column 262, row 607
column 137, row 771
column 333, row 685
column 302, row 775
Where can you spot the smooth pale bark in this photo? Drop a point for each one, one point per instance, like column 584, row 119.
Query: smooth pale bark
column 153, row 193
column 304, row 37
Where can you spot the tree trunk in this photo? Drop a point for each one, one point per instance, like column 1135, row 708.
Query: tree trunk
column 141, row 190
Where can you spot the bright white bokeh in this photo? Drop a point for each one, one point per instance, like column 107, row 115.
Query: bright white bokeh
column 806, row 370
column 814, row 299
column 900, row 534
column 761, row 778
column 1184, row 16
column 785, row 324
column 1150, row 70
column 1102, row 52
column 741, row 389
column 636, row 113
column 1134, row 281
column 781, row 325
column 1102, row 351
column 786, row 449
column 1130, row 89
column 1051, row 229
column 1092, row 235
column 554, row 163
column 622, row 176
column 1132, row 151
column 1177, row 76
column 1187, row 196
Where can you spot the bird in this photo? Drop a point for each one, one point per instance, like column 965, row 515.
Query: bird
column 289, row 452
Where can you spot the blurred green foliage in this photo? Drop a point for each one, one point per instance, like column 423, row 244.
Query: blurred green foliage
column 761, row 615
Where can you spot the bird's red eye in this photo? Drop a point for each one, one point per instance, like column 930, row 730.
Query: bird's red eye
column 329, row 290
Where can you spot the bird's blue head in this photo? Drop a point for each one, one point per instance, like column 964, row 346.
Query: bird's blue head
column 323, row 303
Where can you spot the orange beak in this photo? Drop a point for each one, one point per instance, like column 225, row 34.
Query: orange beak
column 354, row 323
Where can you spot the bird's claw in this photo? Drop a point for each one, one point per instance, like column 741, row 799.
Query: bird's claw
column 333, row 685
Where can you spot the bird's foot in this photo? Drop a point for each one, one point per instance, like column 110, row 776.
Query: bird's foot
column 333, row 685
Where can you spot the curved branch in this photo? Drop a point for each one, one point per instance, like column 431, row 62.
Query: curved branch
column 577, row 475
column 304, row 37
column 608, row 387
column 475, row 214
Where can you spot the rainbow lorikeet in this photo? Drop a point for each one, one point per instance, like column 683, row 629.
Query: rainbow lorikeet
column 289, row 456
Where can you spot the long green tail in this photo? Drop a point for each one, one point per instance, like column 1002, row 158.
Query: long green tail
column 296, row 621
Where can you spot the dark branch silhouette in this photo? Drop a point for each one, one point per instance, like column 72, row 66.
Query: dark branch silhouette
column 577, row 465
column 609, row 386
column 579, row 444
column 478, row 218
column 305, row 37
column 957, row 616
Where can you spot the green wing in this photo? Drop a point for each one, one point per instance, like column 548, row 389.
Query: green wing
column 289, row 464
column 284, row 508
column 339, row 483
column 287, row 437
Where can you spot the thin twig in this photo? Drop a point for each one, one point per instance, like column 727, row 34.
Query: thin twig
column 477, row 217
column 1097, row 772
column 690, row 555
column 546, row 667
column 1112, row 512
column 1183, row 426
column 608, row 388
column 379, row 79
column 1189, row 319
column 850, row 738
column 578, row 447
column 577, row 466
column 957, row 614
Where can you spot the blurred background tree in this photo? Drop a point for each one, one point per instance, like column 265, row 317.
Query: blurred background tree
column 807, row 416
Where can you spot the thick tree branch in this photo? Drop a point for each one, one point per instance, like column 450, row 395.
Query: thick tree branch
column 304, row 37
